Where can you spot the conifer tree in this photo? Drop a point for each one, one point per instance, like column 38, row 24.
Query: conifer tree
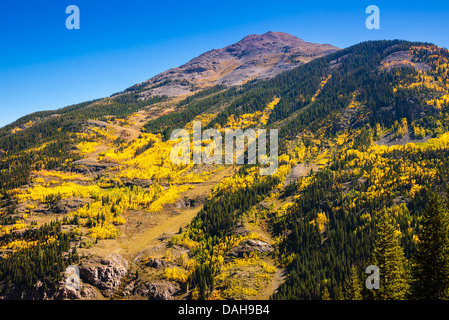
column 431, row 267
column 353, row 286
column 339, row 293
column 389, row 257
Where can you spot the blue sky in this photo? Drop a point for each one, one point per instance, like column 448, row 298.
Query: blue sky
column 45, row 66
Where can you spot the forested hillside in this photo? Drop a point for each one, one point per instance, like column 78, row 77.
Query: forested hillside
column 362, row 180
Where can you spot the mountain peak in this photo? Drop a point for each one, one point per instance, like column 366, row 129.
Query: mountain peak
column 256, row 56
column 273, row 36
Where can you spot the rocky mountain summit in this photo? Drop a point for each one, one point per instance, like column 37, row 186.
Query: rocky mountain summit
column 254, row 57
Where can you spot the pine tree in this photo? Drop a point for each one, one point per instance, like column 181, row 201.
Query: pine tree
column 389, row 257
column 431, row 267
column 353, row 286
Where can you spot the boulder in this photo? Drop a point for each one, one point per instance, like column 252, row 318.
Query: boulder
column 156, row 263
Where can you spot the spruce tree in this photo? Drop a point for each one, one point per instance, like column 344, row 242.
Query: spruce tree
column 339, row 293
column 389, row 257
column 431, row 267
column 353, row 286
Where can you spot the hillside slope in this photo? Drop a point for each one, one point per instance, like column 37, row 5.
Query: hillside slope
column 361, row 130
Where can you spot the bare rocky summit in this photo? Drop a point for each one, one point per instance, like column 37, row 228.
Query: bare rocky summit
column 254, row 57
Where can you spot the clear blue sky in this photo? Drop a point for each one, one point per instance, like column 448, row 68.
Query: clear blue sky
column 45, row 66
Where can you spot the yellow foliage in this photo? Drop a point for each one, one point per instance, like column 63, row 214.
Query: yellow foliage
column 109, row 206
column 5, row 230
column 185, row 241
column 176, row 274
column 87, row 147
column 204, row 118
column 237, row 290
column 321, row 220
column 107, row 133
column 418, row 132
column 250, row 119
column 284, row 209
column 64, row 176
column 168, row 196
column 324, row 80
column 215, row 295
column 18, row 245
column 103, row 231
column 342, row 138
column 65, row 190
column 235, row 183
column 130, row 151
column 118, row 220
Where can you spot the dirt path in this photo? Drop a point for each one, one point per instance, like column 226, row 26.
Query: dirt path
column 272, row 287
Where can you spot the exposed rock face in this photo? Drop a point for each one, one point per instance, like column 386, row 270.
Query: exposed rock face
column 157, row 290
column 156, row 263
column 137, row 182
column 400, row 59
column 247, row 246
column 85, row 292
column 86, row 166
column 68, row 205
column 240, row 229
column 254, row 57
column 187, row 203
column 62, row 292
column 104, row 273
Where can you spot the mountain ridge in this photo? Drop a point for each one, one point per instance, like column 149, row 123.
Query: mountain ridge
column 256, row 56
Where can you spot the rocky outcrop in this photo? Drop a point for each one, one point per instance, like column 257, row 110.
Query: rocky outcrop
column 187, row 203
column 157, row 290
column 68, row 205
column 86, row 166
column 404, row 59
column 84, row 292
column 104, row 273
column 66, row 290
column 156, row 263
column 143, row 183
column 248, row 246
column 240, row 229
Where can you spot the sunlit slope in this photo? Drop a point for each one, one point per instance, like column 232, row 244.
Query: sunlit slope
column 361, row 131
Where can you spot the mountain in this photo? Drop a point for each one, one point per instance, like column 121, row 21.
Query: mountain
column 254, row 57
column 363, row 134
